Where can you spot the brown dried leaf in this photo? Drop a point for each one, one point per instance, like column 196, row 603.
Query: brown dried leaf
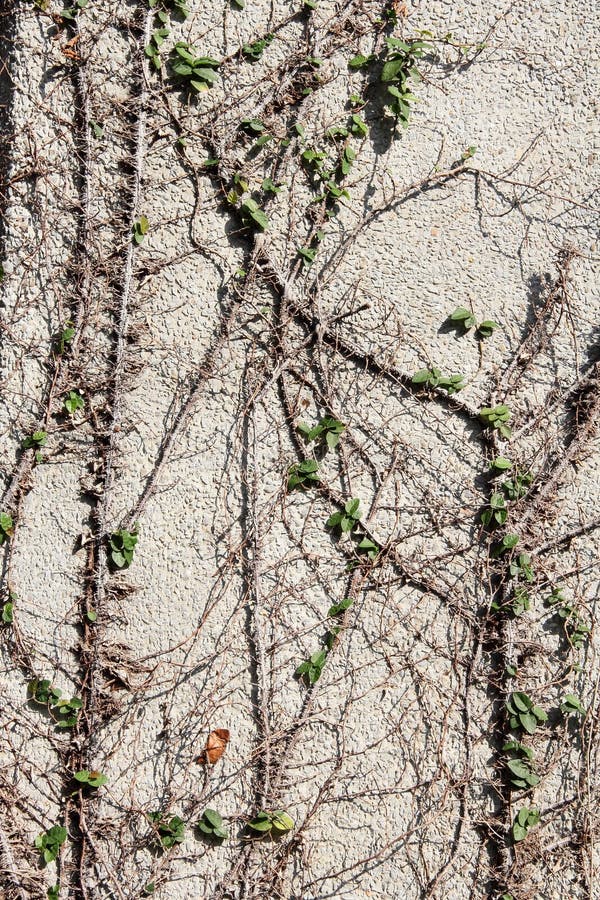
column 215, row 746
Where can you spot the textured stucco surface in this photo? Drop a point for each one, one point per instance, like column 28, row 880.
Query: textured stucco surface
column 387, row 767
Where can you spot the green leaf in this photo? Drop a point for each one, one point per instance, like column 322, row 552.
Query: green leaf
column 519, row 832
column 501, row 463
column 340, row 607
column 487, row 327
column 252, row 211
column 213, row 817
column 359, row 61
column 260, row 824
column 282, row 821
column 528, row 721
column 270, row 187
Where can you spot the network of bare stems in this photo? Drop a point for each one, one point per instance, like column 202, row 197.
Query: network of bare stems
column 381, row 593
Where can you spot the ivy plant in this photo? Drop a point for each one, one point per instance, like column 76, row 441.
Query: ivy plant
column 347, row 519
column 340, row 607
column 462, row 317
column 6, row 527
column 368, row 547
column 70, row 13
column 36, row 441
column 140, row 229
column 91, row 778
column 522, row 773
column 8, row 610
column 399, row 68
column 326, row 432
column 501, row 464
column 65, row 337
column 50, row 842
column 170, row 831
column 311, row 669
column 211, row 824
column 277, row 822
column 495, row 512
column 193, row 73
column 303, row 475
column 575, row 629
column 255, row 50
column 163, row 7
column 433, row 378
column 122, row 545
column 524, row 820
column 73, row 401
column 517, row 486
column 523, row 714
column 571, row 706
column 496, row 417
column 253, row 215
column 152, row 50
column 64, row 711
column 520, row 568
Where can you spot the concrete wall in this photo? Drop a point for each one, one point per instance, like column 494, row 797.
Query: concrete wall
column 199, row 350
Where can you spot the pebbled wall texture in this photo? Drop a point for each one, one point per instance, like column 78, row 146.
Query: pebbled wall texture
column 198, row 349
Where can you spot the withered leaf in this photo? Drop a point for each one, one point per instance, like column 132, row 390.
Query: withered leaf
column 215, row 746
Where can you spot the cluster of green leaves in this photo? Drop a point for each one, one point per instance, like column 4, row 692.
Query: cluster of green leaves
column 399, row 68
column 6, row 527
column 433, row 378
column 70, row 13
column 520, row 568
column 462, row 317
column 34, row 441
column 122, row 545
column 495, row 513
column 193, row 73
column 257, row 131
column 152, row 50
column 347, row 519
column 8, row 609
column 50, row 842
column 164, row 7
column 64, row 338
column 496, row 417
column 73, row 401
column 520, row 766
column 252, row 215
column 140, row 230
column 326, row 432
column 63, row 711
column 255, row 50
column 53, row 892
column 169, row 831
column 90, row 778
column 356, row 127
column 518, row 486
column 311, row 669
column 303, row 475
column 276, row 822
column 508, row 542
column 211, row 824
column 523, row 713
column 575, row 628
column 328, row 172
column 524, row 820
